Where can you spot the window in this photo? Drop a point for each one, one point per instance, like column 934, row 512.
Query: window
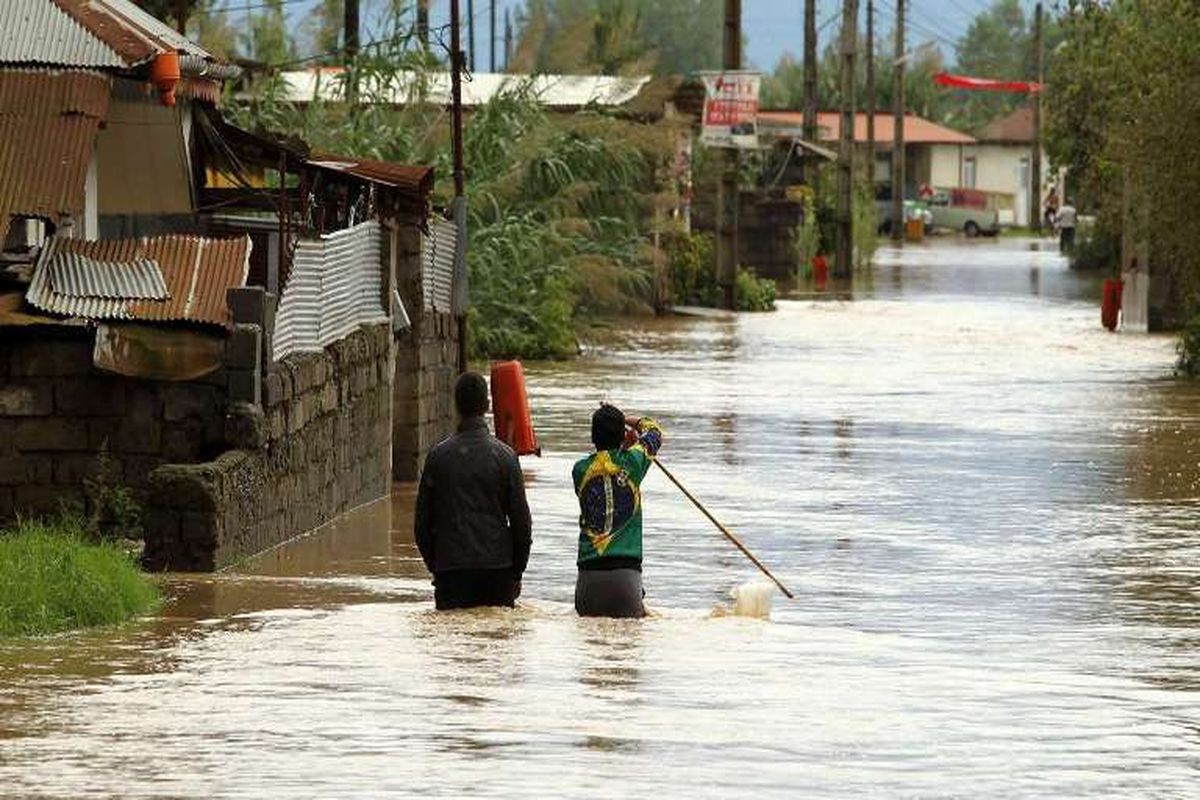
column 969, row 171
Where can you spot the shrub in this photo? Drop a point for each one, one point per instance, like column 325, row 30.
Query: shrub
column 752, row 293
column 1188, row 348
column 52, row 579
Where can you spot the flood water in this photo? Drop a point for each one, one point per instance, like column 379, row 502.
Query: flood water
column 986, row 505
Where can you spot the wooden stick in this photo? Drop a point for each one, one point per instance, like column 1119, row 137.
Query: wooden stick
column 728, row 535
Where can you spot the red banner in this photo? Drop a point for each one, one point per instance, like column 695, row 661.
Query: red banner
column 986, row 84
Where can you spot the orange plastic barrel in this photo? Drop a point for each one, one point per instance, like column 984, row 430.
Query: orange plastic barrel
column 510, row 408
column 820, row 270
column 1110, row 303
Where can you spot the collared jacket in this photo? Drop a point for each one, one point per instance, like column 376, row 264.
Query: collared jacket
column 471, row 508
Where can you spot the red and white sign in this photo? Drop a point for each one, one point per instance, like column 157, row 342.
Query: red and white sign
column 731, row 109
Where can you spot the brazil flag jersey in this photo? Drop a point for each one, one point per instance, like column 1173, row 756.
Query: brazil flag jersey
column 607, row 484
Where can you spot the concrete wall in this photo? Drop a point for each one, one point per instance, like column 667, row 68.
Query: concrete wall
column 318, row 445
column 58, row 412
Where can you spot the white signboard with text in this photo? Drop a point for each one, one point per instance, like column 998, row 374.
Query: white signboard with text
column 731, row 109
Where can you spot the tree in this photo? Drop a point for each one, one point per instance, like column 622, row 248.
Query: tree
column 619, row 37
column 266, row 38
column 1124, row 118
column 176, row 12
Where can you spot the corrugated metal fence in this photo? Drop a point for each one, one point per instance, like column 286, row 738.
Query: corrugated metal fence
column 336, row 284
column 438, row 256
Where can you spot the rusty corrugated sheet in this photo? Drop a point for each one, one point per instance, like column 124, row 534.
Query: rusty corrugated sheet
column 197, row 271
column 39, row 32
column 336, row 285
column 48, row 126
column 127, row 30
column 409, row 177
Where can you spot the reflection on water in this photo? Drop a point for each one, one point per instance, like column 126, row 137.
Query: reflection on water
column 987, row 503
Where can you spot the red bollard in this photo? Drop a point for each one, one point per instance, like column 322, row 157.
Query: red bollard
column 1110, row 304
column 510, row 408
column 820, row 271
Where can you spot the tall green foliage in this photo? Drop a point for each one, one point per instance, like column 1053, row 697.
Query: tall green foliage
column 1124, row 118
column 619, row 37
column 559, row 205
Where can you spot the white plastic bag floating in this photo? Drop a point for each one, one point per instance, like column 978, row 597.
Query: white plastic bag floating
column 751, row 599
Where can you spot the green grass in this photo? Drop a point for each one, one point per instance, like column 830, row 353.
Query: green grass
column 52, row 579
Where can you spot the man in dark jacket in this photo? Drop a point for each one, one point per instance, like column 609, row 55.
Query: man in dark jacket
column 472, row 521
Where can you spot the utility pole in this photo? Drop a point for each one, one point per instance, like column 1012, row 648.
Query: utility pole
column 810, row 71
column 727, row 195
column 350, row 34
column 844, row 252
column 456, row 137
column 492, row 35
column 471, row 35
column 871, row 96
column 508, row 39
column 899, row 64
column 1035, row 159
column 423, row 23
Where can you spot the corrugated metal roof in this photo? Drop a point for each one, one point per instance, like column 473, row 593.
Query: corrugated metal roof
column 39, row 32
column 438, row 264
column 76, row 275
column 411, row 178
column 551, row 91
column 336, row 285
column 87, row 33
column 197, row 272
column 48, row 126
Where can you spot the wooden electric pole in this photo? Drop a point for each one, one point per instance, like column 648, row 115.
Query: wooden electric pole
column 1035, row 157
column 471, row 35
column 350, row 35
column 492, row 35
column 871, row 96
column 843, row 266
column 456, row 138
column 810, row 71
column 423, row 23
column 899, row 64
column 727, row 196
column 508, row 39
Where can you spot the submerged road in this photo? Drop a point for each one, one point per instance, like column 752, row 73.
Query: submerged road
column 986, row 504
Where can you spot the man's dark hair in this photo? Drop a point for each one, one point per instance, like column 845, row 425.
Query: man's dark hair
column 608, row 427
column 471, row 395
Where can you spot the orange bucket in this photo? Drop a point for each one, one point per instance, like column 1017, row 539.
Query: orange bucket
column 820, row 271
column 510, row 408
column 1110, row 303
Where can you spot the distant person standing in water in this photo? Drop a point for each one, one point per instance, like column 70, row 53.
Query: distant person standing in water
column 1066, row 220
column 1050, row 207
column 608, row 485
column 472, row 521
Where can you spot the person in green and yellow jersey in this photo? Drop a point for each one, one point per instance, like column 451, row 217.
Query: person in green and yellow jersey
column 608, row 485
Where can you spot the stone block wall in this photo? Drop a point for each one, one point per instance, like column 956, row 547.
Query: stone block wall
column 58, row 413
column 426, row 367
column 319, row 444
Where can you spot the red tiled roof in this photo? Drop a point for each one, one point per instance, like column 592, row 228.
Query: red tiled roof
column 1014, row 127
column 48, row 126
column 917, row 130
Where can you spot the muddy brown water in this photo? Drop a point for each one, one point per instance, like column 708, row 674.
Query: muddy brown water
column 986, row 504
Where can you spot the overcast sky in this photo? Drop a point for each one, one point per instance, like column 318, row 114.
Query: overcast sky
column 772, row 27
